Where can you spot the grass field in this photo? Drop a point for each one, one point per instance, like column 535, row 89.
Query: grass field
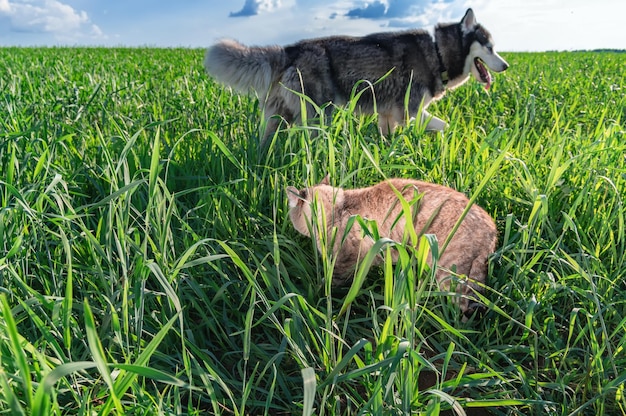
column 147, row 264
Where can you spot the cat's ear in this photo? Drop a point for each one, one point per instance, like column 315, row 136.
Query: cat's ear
column 326, row 180
column 293, row 196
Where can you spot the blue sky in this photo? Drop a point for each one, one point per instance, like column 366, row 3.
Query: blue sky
column 517, row 25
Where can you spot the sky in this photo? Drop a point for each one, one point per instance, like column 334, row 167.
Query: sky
column 516, row 25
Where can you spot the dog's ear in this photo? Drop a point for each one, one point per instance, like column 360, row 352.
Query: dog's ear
column 326, row 180
column 468, row 23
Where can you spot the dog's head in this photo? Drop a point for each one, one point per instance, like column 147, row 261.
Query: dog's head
column 481, row 52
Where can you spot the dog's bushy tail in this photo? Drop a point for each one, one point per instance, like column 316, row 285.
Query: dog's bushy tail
column 244, row 68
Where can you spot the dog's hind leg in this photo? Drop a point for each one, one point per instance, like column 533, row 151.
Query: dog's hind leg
column 385, row 123
column 276, row 114
column 271, row 127
column 389, row 120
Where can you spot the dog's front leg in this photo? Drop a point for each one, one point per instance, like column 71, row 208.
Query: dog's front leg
column 433, row 123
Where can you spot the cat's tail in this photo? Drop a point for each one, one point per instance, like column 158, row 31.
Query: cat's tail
column 245, row 68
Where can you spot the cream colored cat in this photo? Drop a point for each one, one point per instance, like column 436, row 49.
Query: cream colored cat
column 438, row 210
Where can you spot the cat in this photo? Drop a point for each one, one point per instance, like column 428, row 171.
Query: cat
column 438, row 209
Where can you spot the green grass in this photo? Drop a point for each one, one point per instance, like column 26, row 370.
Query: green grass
column 147, row 264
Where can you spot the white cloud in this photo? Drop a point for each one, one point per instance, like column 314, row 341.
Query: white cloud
column 315, row 18
column 390, row 9
column 285, row 21
column 254, row 7
column 5, row 7
column 517, row 25
column 47, row 16
column 523, row 25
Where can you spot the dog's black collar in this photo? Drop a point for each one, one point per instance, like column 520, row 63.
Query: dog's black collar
column 442, row 68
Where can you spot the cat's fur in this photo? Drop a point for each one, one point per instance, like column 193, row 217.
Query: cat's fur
column 467, row 252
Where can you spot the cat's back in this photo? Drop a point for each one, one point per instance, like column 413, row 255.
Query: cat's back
column 381, row 200
column 447, row 202
column 431, row 194
column 440, row 207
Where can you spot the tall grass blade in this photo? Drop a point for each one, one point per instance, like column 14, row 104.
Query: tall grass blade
column 310, row 383
column 98, row 354
column 16, row 346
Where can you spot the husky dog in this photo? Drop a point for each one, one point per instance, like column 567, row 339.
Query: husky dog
column 438, row 209
column 388, row 66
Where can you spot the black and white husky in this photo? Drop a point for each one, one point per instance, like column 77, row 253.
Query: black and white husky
column 394, row 65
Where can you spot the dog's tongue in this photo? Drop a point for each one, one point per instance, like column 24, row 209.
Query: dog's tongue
column 484, row 73
column 487, row 79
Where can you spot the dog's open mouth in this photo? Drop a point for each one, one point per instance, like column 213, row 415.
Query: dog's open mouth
column 485, row 76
